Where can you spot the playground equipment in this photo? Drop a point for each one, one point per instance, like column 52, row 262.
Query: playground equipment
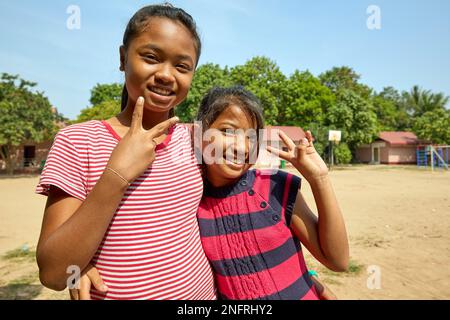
column 435, row 156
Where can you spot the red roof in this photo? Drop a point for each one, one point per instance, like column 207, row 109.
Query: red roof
column 399, row 138
column 295, row 133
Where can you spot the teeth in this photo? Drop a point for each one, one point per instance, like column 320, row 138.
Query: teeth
column 160, row 91
column 236, row 162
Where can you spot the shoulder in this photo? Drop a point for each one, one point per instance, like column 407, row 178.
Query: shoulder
column 85, row 128
column 283, row 190
column 81, row 134
column 184, row 129
column 182, row 134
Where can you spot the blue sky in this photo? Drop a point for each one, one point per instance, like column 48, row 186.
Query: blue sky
column 412, row 46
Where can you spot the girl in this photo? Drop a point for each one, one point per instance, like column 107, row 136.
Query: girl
column 251, row 221
column 123, row 193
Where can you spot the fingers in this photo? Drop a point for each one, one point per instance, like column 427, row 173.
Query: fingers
column 136, row 121
column 289, row 143
column 279, row 153
column 85, row 287
column 74, row 294
column 96, row 280
column 161, row 128
column 302, row 147
column 309, row 136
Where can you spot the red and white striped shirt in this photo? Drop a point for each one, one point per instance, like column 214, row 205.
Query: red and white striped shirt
column 152, row 248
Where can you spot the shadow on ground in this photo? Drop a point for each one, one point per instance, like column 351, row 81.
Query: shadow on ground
column 20, row 291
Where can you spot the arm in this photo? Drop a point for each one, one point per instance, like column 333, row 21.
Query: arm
column 323, row 291
column 72, row 230
column 325, row 237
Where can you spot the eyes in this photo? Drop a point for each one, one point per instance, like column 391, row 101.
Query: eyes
column 228, row 132
column 181, row 67
column 234, row 134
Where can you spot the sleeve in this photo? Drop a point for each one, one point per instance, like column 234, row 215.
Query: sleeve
column 292, row 186
column 63, row 169
column 283, row 191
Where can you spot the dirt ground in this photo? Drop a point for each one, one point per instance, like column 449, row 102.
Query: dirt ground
column 398, row 221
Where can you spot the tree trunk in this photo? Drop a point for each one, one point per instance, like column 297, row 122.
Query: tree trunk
column 9, row 155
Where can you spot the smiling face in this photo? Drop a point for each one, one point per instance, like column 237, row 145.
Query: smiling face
column 159, row 64
column 234, row 147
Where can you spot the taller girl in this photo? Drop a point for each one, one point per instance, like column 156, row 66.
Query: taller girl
column 123, row 193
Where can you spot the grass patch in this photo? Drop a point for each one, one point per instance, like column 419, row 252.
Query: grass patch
column 23, row 253
column 20, row 291
column 354, row 268
column 24, row 288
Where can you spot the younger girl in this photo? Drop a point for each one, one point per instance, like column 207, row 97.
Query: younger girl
column 123, row 193
column 251, row 221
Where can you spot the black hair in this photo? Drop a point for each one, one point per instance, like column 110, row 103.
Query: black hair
column 218, row 99
column 141, row 19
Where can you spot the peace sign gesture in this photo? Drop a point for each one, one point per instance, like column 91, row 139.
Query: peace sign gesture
column 136, row 150
column 303, row 157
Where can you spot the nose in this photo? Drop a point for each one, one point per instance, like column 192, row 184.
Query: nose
column 239, row 146
column 164, row 74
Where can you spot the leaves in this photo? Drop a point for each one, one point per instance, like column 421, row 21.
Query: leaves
column 434, row 126
column 335, row 100
column 102, row 111
column 263, row 77
column 419, row 101
column 24, row 115
column 207, row 76
column 106, row 92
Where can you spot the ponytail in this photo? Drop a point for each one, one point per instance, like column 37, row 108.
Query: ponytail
column 124, row 98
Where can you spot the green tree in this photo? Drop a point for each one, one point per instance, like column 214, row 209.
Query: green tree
column 24, row 116
column 304, row 100
column 263, row 77
column 344, row 78
column 207, row 76
column 106, row 92
column 342, row 153
column 434, row 126
column 105, row 103
column 419, row 101
column 354, row 116
column 102, row 111
column 391, row 111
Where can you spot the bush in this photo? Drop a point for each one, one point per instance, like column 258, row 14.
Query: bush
column 342, row 153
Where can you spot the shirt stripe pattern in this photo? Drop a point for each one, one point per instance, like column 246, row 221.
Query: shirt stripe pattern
column 245, row 230
column 152, row 247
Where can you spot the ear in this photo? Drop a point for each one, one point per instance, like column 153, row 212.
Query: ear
column 122, row 58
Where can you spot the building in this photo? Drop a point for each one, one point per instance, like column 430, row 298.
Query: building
column 272, row 138
column 391, row 147
column 29, row 156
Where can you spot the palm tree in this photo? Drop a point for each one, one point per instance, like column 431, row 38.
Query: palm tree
column 419, row 101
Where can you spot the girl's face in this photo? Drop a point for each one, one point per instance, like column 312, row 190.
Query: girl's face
column 234, row 148
column 159, row 64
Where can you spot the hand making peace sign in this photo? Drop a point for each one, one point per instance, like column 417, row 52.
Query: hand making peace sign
column 303, row 157
column 136, row 150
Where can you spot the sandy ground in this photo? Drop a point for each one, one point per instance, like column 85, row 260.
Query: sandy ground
column 398, row 221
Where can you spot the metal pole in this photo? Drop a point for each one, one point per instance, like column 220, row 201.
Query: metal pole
column 332, row 154
column 432, row 158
